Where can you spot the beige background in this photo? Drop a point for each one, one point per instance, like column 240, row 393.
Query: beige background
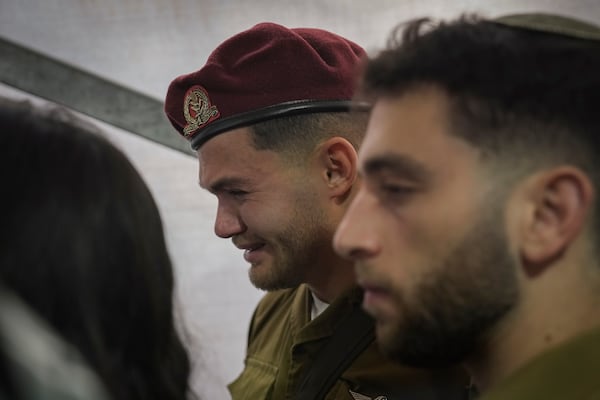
column 143, row 44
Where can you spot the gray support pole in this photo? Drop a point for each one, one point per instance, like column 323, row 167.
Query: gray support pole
column 87, row 93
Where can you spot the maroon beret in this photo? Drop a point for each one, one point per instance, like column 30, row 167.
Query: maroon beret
column 265, row 72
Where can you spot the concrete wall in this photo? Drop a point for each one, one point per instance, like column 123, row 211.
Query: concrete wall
column 143, row 44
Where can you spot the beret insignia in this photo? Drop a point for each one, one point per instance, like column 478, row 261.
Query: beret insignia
column 197, row 109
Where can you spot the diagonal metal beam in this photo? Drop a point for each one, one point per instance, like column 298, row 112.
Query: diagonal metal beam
column 87, row 93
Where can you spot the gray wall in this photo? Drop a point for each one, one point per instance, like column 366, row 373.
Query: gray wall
column 143, row 44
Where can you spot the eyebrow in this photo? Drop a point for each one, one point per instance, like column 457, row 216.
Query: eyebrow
column 225, row 182
column 396, row 164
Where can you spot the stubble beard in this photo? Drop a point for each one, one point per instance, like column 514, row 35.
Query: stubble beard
column 294, row 251
column 457, row 304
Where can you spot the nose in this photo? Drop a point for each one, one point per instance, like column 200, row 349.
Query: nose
column 227, row 222
column 356, row 236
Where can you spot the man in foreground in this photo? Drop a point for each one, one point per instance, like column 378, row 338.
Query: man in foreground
column 475, row 233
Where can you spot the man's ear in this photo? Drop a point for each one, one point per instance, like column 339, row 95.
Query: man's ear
column 560, row 200
column 337, row 161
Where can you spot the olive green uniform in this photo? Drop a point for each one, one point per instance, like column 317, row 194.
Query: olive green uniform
column 283, row 341
column 570, row 371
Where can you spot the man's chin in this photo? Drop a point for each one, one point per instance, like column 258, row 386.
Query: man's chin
column 261, row 277
column 386, row 336
column 417, row 349
column 258, row 279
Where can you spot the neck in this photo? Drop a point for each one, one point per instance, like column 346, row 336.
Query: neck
column 332, row 280
column 546, row 317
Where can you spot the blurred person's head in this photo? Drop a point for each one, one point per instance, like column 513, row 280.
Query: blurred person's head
column 478, row 213
column 82, row 243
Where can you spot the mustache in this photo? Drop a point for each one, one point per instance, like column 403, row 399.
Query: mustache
column 241, row 240
column 366, row 278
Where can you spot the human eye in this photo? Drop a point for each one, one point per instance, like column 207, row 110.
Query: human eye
column 237, row 193
column 395, row 189
column 394, row 180
column 391, row 189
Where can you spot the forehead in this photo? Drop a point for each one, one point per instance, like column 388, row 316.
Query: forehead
column 232, row 155
column 415, row 125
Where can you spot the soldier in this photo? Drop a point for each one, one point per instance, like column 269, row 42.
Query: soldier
column 272, row 119
column 475, row 233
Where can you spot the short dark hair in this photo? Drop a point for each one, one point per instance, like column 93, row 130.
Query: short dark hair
column 82, row 243
column 516, row 94
column 297, row 136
